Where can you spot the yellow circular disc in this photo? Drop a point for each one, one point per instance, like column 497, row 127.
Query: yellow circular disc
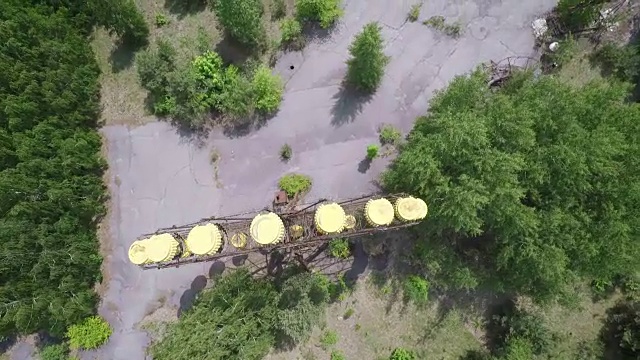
column 239, row 240
column 330, row 218
column 204, row 239
column 350, row 222
column 379, row 212
column 267, row 229
column 411, row 209
column 162, row 247
column 138, row 253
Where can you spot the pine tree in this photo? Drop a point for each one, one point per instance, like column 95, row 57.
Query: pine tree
column 367, row 63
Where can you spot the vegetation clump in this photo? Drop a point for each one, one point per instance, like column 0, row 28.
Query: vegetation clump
column 372, row 151
column 162, row 20
column 51, row 190
column 337, row 355
column 268, row 89
column 55, row 352
column 278, row 9
column 402, row 354
column 526, row 187
column 326, row 12
column 416, row 289
column 286, row 152
column 438, row 22
column 292, row 33
column 414, row 13
column 294, row 184
column 90, row 334
column 242, row 20
column 328, row 339
column 339, row 248
column 365, row 68
column 389, row 135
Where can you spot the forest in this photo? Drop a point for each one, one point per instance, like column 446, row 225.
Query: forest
column 51, row 189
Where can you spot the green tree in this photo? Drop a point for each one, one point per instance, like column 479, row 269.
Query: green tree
column 122, row 18
column 55, row 352
column 233, row 320
column 242, row 20
column 267, row 89
column 539, row 201
column 367, row 62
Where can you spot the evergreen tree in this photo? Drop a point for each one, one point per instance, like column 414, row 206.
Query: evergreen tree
column 367, row 62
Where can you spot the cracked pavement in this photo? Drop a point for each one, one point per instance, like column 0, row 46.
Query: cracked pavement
column 158, row 178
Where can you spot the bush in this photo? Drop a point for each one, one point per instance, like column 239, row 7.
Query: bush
column 337, row 355
column 414, row 13
column 389, row 135
column 326, row 12
column 278, row 9
column 416, row 289
column 285, row 152
column 623, row 62
column 236, row 96
column 291, row 30
column 293, row 184
column 162, row 20
column 55, row 352
column 339, row 248
column 328, row 339
column 267, row 89
column 90, row 334
column 578, row 14
column 402, row 354
column 372, row 152
column 365, row 68
column 242, row 19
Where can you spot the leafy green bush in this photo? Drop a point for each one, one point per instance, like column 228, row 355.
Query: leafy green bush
column 90, row 334
column 267, row 89
column 339, row 248
column 414, row 13
column 242, row 19
column 402, row 354
column 337, row 355
column 285, row 152
column 328, row 339
column 326, row 12
column 416, row 289
column 389, row 135
column 372, row 151
column 162, row 20
column 237, row 94
column 55, row 352
column 365, row 68
column 293, row 184
column 291, row 30
column 278, row 9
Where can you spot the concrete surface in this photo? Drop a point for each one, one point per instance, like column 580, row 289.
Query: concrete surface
column 160, row 178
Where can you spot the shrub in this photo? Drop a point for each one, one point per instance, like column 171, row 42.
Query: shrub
column 372, row 151
column 328, row 339
column 293, row 184
column 414, row 12
column 291, row 30
column 337, row 355
column 389, row 135
column 578, row 14
column 278, row 9
column 90, row 334
column 326, row 12
column 285, row 152
column 416, row 289
column 162, row 20
column 349, row 313
column 339, row 248
column 365, row 68
column 623, row 62
column 402, row 354
column 267, row 89
column 55, row 352
column 242, row 19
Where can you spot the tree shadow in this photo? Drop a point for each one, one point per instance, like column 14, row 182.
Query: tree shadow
column 183, row 8
column 359, row 264
column 244, row 127
column 232, row 52
column 7, row 342
column 189, row 296
column 364, row 165
column 239, row 260
column 216, row 269
column 313, row 32
column 123, row 54
column 349, row 102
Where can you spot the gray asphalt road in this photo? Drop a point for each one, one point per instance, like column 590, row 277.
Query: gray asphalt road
column 160, row 178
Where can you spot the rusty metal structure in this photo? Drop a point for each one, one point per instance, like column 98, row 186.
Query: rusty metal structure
column 299, row 228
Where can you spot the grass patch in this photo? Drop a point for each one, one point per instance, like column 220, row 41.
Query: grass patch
column 328, row 339
column 349, row 313
column 576, row 68
column 337, row 355
column 414, row 13
column 294, row 184
column 438, row 22
column 389, row 135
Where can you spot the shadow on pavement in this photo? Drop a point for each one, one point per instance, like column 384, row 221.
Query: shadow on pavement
column 183, row 8
column 313, row 32
column 216, row 269
column 239, row 260
column 189, row 296
column 348, row 104
column 364, row 165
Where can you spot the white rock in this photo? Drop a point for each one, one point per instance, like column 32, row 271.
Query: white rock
column 539, row 27
column 554, row 46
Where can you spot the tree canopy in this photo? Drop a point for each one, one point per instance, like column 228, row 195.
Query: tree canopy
column 531, row 187
column 51, row 190
column 367, row 62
